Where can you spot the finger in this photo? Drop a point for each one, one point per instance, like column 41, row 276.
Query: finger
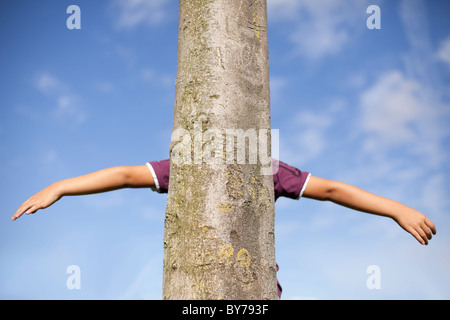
column 32, row 209
column 427, row 232
column 430, row 225
column 423, row 235
column 417, row 236
column 22, row 209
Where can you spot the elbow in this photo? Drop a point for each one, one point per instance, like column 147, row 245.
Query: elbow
column 136, row 177
column 321, row 189
column 330, row 191
column 125, row 177
column 328, row 196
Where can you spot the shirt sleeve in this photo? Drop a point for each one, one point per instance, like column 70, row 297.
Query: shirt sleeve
column 289, row 181
column 160, row 171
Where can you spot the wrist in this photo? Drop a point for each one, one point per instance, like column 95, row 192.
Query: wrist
column 58, row 188
column 398, row 212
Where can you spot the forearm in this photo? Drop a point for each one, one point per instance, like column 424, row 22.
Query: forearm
column 355, row 198
column 361, row 200
column 96, row 182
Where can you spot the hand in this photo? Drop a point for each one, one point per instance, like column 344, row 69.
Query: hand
column 417, row 224
column 40, row 200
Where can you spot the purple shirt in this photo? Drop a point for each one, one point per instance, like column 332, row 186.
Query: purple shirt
column 288, row 182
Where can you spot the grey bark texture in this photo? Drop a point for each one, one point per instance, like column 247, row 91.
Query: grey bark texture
column 219, row 223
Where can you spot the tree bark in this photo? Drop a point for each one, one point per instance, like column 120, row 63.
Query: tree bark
column 219, row 222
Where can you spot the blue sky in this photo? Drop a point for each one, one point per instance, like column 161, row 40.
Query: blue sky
column 367, row 107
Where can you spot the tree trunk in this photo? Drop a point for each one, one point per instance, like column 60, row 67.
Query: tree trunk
column 219, row 223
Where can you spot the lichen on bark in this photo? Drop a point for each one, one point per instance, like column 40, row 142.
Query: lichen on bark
column 219, row 223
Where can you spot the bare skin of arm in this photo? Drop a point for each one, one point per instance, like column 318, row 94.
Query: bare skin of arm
column 96, row 182
column 411, row 220
column 340, row 193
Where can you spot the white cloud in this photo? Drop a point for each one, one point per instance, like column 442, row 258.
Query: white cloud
column 413, row 15
column 312, row 141
column 283, row 9
column 104, row 86
column 319, row 28
column 277, row 84
column 149, row 75
column 433, row 195
column 403, row 137
column 132, row 13
column 47, row 83
column 67, row 109
column 443, row 53
column 395, row 113
column 50, row 157
column 390, row 109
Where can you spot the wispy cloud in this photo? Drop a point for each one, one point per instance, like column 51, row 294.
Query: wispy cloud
column 318, row 29
column 150, row 75
column 283, row 9
column 313, row 140
column 391, row 111
column 104, row 86
column 420, row 60
column 443, row 53
column 67, row 105
column 133, row 13
column 403, row 137
column 306, row 136
column 405, row 108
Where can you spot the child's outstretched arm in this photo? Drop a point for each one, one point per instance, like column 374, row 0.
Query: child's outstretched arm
column 347, row 195
column 100, row 181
